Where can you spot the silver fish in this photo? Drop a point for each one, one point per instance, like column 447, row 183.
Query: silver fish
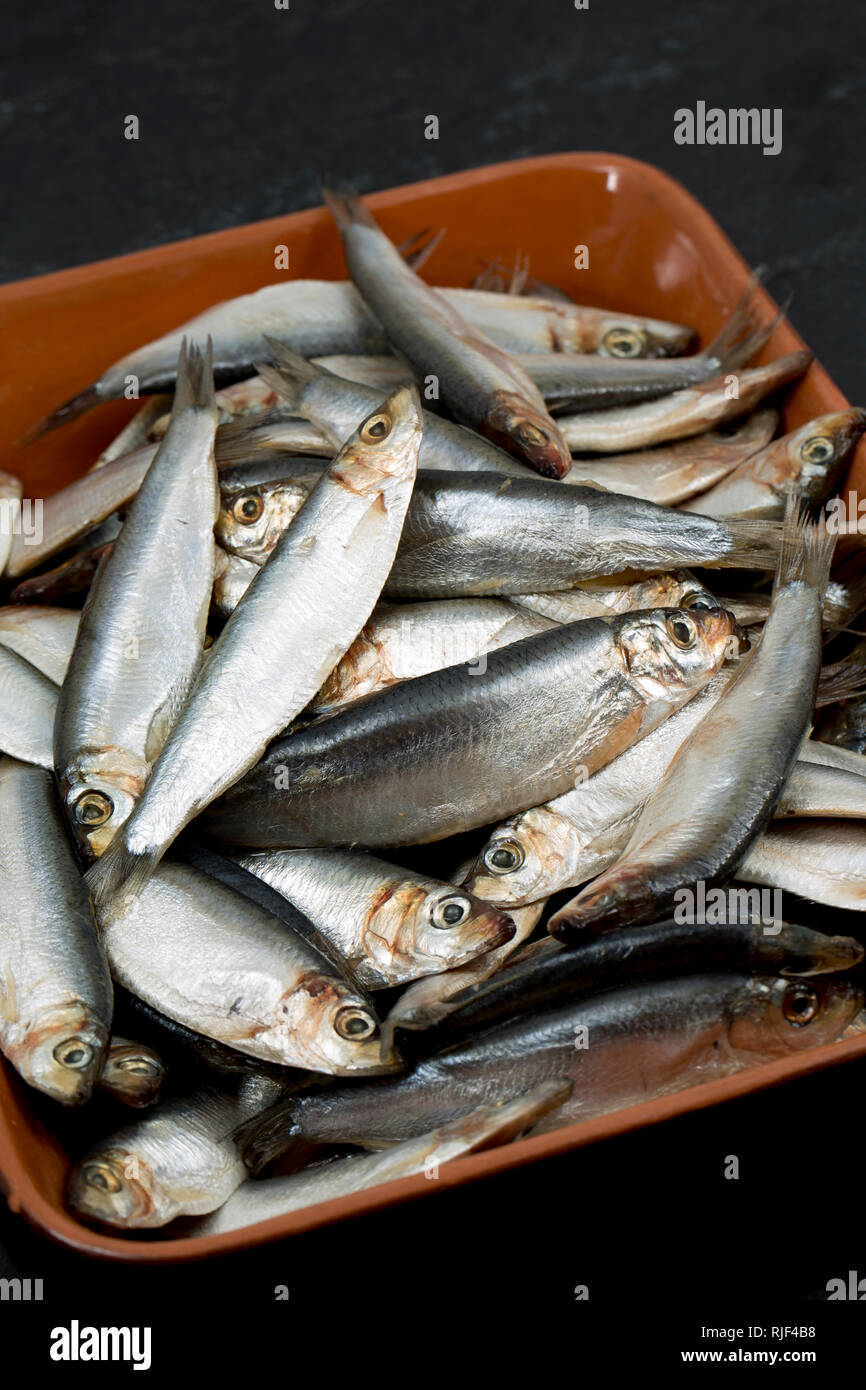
column 485, row 387
column 132, row 1073
column 601, row 598
column 483, row 1128
column 28, row 703
column 651, row 1038
column 731, row 769
column 329, row 316
column 327, row 571
column 478, row 534
column 450, row 751
column 238, row 974
column 55, row 990
column 820, row 859
column 42, row 635
column 141, row 637
column 179, row 1160
column 673, row 473
column 391, row 925
column 412, row 639
column 684, row 413
column 806, row 461
column 78, row 507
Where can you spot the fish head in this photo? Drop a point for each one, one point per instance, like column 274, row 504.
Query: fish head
column 384, row 448
column 333, row 1028
column 133, row 1072
column 527, row 433
column 413, row 929
column 115, row 1186
column 523, row 859
column 809, row 459
column 773, row 1016
column 252, row 519
column 99, row 791
column 668, row 653
column 631, row 338
column 61, row 1053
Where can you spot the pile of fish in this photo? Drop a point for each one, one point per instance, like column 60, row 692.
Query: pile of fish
column 436, row 727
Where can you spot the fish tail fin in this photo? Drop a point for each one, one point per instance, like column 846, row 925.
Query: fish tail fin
column 194, row 388
column 68, row 411
column 746, row 331
column 346, row 208
column 288, row 373
column 415, row 251
column 840, row 682
column 754, row 545
column 119, row 875
column 806, row 549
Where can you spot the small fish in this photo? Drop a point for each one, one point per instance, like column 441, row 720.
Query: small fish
column 684, row 413
column 478, row 534
column 179, row 1160
column 601, row 598
column 141, row 637
column 731, row 769
column 11, row 492
column 451, row 751
column 806, row 461
column 55, row 990
column 673, row 473
column 646, row 1039
column 238, row 975
column 389, row 924
column 485, row 387
column 132, row 1073
column 412, row 639
column 28, row 704
column 42, row 635
column 76, row 508
column 319, row 317
column 656, row 951
column 327, row 572
column 824, row 860
column 483, row 1128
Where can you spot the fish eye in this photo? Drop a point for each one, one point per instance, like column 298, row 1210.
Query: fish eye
column 96, row 1175
column 531, row 434
column 248, row 508
column 704, row 602
column 450, row 912
column 818, row 449
column 74, row 1054
column 682, row 630
column 354, row 1024
column 93, row 808
column 504, row 857
column 800, row 1005
column 377, row 428
column 623, row 342
column 138, row 1066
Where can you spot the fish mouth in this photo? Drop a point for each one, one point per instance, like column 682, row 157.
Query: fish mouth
column 817, row 955
column 528, row 436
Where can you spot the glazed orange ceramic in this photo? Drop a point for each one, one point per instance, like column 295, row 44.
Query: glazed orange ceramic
column 652, row 250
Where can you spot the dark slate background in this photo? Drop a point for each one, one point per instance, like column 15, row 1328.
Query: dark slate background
column 242, row 108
